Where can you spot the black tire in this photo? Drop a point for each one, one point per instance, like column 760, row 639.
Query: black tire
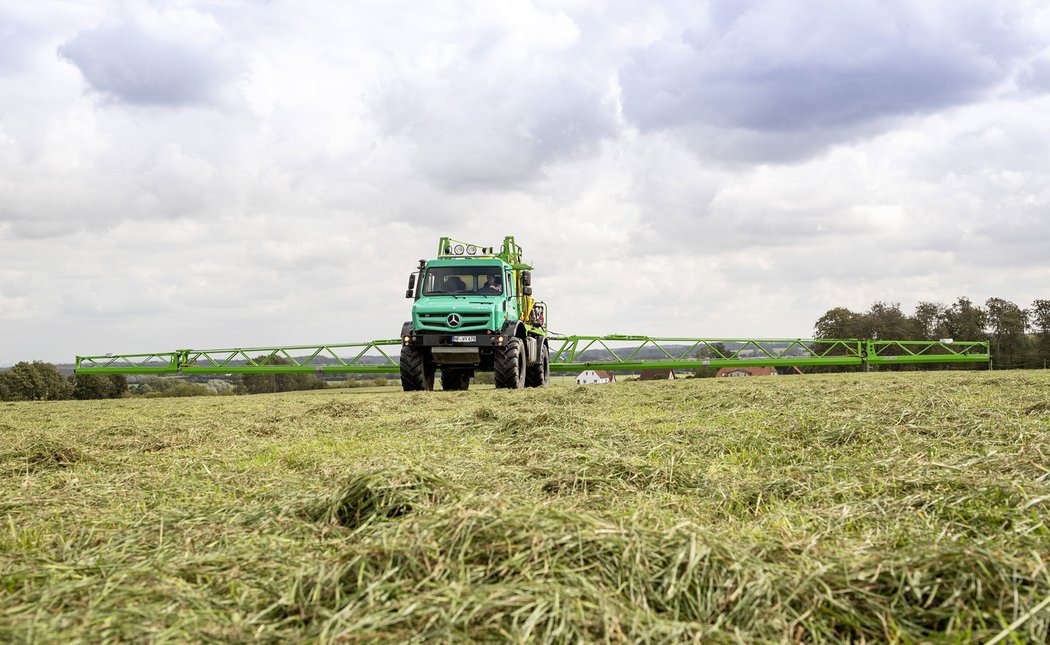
column 539, row 375
column 508, row 365
column 417, row 369
column 455, row 379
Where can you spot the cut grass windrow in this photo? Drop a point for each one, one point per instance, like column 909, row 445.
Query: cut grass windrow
column 869, row 508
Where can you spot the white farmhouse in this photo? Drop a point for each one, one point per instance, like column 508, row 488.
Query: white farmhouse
column 595, row 376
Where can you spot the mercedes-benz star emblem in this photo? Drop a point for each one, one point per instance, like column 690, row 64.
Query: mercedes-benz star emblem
column 453, row 320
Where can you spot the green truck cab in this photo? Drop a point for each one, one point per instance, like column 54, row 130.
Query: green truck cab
column 473, row 310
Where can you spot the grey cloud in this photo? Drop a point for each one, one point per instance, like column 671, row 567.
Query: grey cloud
column 123, row 61
column 508, row 149
column 490, row 141
column 40, row 229
column 820, row 96
column 1013, row 239
column 741, row 147
column 1036, row 76
column 778, row 81
column 495, row 124
column 17, row 38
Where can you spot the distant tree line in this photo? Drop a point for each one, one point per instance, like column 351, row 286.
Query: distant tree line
column 264, row 383
column 1018, row 337
column 40, row 381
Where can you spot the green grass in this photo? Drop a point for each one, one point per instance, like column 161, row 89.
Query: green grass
column 864, row 507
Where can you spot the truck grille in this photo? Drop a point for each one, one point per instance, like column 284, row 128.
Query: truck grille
column 467, row 321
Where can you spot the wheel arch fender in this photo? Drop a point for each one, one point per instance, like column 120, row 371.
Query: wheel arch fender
column 513, row 329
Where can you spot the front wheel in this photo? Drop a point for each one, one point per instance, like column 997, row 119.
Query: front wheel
column 508, row 365
column 417, row 369
column 539, row 375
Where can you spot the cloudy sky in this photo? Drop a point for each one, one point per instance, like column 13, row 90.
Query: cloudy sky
column 233, row 173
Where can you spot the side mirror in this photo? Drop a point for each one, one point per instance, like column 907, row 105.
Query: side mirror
column 527, row 291
column 411, row 286
column 526, row 278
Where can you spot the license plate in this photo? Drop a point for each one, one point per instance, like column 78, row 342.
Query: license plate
column 464, row 339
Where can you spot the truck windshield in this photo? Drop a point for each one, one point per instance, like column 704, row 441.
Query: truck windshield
column 466, row 280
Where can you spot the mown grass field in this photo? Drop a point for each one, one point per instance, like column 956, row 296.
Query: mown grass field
column 865, row 507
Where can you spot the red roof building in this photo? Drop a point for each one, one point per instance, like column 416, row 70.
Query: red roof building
column 657, row 375
column 756, row 371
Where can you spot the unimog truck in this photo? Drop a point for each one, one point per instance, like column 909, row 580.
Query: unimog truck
column 473, row 311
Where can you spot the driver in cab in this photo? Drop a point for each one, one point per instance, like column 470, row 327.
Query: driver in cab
column 493, row 286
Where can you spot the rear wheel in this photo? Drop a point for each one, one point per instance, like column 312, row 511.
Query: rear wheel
column 539, row 375
column 417, row 369
column 455, row 379
column 508, row 365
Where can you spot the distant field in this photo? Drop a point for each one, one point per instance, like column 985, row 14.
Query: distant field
column 875, row 507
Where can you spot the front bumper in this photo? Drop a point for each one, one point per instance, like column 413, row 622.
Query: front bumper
column 470, row 339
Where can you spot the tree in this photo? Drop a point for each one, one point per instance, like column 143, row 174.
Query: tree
column 99, row 386
column 837, row 323
column 185, row 388
column 964, row 321
column 263, row 383
column 927, row 321
column 24, row 383
column 1040, row 320
column 6, row 393
column 884, row 320
column 36, row 381
column 1040, row 314
column 707, row 352
column 1008, row 324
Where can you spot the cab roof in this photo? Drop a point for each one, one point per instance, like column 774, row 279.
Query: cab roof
column 471, row 261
